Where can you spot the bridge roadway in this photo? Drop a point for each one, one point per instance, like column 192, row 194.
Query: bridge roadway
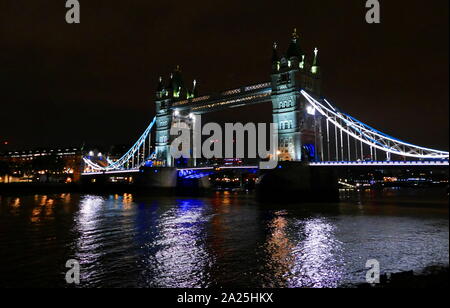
column 437, row 163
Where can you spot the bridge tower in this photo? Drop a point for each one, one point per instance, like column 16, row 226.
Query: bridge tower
column 299, row 126
column 166, row 115
column 164, row 95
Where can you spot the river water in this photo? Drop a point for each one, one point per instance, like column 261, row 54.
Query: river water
column 223, row 240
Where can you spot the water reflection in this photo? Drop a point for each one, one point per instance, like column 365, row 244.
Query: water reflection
column 15, row 203
column 318, row 257
column 156, row 245
column 88, row 248
column 14, row 206
column 226, row 240
column 279, row 247
column 177, row 256
column 44, row 209
column 302, row 253
column 66, row 198
column 121, row 202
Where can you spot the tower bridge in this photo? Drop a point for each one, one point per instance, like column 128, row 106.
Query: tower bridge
column 310, row 128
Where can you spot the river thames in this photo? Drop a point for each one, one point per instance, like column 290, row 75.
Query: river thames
column 223, row 240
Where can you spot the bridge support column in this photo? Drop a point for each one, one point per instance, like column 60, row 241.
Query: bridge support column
column 157, row 178
column 297, row 122
column 299, row 183
column 163, row 124
column 286, row 114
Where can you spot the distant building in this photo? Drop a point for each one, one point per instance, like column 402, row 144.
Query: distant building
column 60, row 165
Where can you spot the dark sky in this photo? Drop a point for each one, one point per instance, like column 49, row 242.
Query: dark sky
column 63, row 84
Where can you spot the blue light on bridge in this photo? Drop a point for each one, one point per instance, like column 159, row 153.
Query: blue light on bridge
column 149, row 163
column 193, row 174
column 311, row 151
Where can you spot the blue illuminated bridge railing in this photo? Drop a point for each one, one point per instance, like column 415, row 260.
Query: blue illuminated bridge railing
column 192, row 173
column 197, row 173
column 442, row 163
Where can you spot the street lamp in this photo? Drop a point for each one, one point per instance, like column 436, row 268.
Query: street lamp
column 311, row 110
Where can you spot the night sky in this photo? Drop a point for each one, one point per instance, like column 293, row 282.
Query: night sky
column 64, row 84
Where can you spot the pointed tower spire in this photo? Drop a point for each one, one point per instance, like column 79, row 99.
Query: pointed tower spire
column 294, row 49
column 295, row 35
column 302, row 62
column 316, row 57
column 177, row 83
column 169, row 87
column 275, row 57
column 315, row 66
column 193, row 92
column 160, row 89
column 190, row 92
column 160, row 84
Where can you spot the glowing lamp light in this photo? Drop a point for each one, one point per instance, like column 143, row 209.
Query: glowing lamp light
column 311, row 110
column 99, row 155
column 176, row 113
column 91, row 153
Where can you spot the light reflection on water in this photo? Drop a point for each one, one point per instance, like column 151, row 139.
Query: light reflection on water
column 318, row 259
column 224, row 240
column 302, row 253
column 181, row 259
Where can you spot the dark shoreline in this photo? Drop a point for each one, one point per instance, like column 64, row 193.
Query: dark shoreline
column 439, row 197
column 435, row 277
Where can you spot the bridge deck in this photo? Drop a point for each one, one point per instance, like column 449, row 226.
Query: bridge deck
column 443, row 163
